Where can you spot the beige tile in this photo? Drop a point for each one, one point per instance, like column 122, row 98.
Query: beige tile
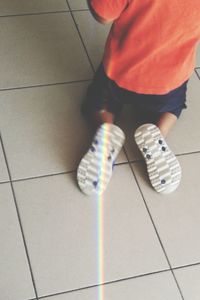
column 3, row 169
column 189, row 281
column 78, row 4
column 184, row 137
column 154, row 287
column 94, row 35
column 198, row 57
column 177, row 215
column 121, row 157
column 15, row 279
column 61, row 228
column 41, row 49
column 43, row 129
column 13, row 7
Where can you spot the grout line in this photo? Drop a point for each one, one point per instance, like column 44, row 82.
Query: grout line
column 80, row 36
column 44, row 85
column 178, row 286
column 197, row 73
column 107, row 283
column 55, row 174
column 178, row 155
column 124, row 279
column 79, row 9
column 69, row 7
column 186, row 266
column 43, row 176
column 188, row 153
column 128, row 162
column 35, row 13
column 148, row 210
column 19, row 220
column 3, row 182
column 155, row 228
column 76, row 9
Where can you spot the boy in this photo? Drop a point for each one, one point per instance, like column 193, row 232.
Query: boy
column 148, row 59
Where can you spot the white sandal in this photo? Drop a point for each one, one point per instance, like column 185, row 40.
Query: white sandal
column 162, row 165
column 95, row 169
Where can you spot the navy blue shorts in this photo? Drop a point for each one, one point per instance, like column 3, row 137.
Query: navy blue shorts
column 104, row 93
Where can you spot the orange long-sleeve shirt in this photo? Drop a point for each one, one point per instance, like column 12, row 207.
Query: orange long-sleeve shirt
column 152, row 43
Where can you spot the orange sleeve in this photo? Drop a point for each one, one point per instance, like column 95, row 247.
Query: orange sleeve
column 108, row 9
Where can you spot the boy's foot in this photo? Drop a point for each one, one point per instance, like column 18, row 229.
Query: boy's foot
column 162, row 165
column 95, row 169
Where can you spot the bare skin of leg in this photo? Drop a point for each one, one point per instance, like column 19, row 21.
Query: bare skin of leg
column 166, row 122
column 103, row 116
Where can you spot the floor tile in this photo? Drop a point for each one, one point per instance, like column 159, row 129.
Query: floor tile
column 189, row 281
column 61, row 225
column 186, row 128
column 3, row 169
column 177, row 215
column 198, row 57
column 94, row 35
column 15, row 279
column 43, row 130
column 35, row 50
column 13, row 7
column 154, row 287
column 78, row 4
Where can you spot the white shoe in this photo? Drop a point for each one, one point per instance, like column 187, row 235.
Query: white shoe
column 95, row 169
column 162, row 165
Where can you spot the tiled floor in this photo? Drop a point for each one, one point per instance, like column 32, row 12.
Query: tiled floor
column 48, row 228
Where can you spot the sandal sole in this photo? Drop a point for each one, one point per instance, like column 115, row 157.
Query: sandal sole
column 95, row 169
column 162, row 165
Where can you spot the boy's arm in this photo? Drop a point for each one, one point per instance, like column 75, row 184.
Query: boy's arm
column 106, row 11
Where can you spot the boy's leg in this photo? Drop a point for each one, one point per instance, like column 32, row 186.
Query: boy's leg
column 101, row 104
column 102, row 116
column 166, row 122
column 163, row 167
column 95, row 169
column 100, row 108
column 177, row 99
